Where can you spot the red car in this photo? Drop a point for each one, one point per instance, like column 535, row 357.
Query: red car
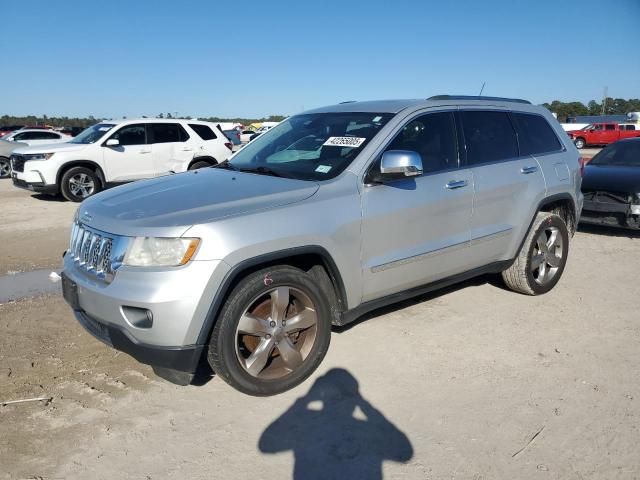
column 603, row 133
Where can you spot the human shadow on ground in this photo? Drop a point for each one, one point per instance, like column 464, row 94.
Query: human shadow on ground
column 335, row 433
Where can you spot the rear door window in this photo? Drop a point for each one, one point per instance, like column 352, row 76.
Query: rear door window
column 535, row 135
column 489, row 136
column 204, row 132
column 168, row 133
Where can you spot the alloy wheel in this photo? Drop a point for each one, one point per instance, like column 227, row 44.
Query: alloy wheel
column 5, row 168
column 81, row 185
column 547, row 255
column 276, row 333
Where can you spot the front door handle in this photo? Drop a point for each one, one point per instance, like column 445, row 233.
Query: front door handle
column 453, row 184
column 527, row 170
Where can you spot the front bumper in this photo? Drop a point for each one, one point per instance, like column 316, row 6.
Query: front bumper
column 611, row 214
column 177, row 299
column 182, row 359
column 37, row 187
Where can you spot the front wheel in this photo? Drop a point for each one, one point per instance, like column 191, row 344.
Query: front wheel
column 79, row 183
column 579, row 142
column 542, row 258
column 5, row 167
column 272, row 333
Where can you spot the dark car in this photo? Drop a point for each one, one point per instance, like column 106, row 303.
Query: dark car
column 72, row 131
column 9, row 128
column 611, row 186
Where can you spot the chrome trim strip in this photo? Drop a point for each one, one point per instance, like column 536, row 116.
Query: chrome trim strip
column 417, row 258
column 491, row 236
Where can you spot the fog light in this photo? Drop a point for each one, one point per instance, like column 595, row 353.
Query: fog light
column 138, row 317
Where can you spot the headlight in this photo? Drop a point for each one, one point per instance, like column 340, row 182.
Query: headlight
column 38, row 156
column 160, row 252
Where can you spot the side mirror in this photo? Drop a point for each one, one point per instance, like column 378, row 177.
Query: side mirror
column 112, row 142
column 404, row 162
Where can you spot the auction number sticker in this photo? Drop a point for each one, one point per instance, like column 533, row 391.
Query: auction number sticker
column 352, row 142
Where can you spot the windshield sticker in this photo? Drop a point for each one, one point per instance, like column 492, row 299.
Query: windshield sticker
column 351, row 142
column 377, row 119
column 105, row 129
column 323, row 168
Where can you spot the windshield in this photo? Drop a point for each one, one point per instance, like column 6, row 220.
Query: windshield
column 92, row 134
column 621, row 154
column 316, row 146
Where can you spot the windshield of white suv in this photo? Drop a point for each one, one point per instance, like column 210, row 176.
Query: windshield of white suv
column 93, row 134
column 316, row 146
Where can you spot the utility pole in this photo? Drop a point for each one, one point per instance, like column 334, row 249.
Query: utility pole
column 604, row 101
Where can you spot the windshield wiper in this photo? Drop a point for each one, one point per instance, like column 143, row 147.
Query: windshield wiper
column 263, row 171
column 226, row 164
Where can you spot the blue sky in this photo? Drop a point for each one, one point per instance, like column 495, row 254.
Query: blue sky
column 202, row 58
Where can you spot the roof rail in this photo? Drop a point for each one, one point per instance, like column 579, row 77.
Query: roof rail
column 473, row 97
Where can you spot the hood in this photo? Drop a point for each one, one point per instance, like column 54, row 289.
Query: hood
column 613, row 179
column 171, row 204
column 52, row 147
column 6, row 148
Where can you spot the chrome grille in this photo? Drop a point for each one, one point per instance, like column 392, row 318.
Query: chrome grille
column 92, row 251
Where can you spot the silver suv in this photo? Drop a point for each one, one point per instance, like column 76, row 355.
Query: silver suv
column 333, row 213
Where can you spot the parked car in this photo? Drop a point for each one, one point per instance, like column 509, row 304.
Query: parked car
column 36, row 136
column 603, row 133
column 245, row 135
column 252, row 262
column 9, row 128
column 233, row 136
column 260, row 131
column 72, row 131
column 117, row 152
column 611, row 186
column 5, row 154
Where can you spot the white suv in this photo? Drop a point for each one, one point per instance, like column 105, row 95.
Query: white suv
column 114, row 152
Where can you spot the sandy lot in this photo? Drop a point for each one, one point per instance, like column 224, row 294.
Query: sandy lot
column 470, row 382
column 34, row 229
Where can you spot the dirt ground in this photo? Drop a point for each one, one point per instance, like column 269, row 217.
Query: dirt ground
column 471, row 382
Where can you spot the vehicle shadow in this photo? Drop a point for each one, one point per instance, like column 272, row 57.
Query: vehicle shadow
column 492, row 279
column 48, row 198
column 335, row 433
column 608, row 231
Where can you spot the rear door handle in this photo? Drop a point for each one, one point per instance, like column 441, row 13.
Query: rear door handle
column 187, row 149
column 527, row 170
column 145, row 151
column 453, row 184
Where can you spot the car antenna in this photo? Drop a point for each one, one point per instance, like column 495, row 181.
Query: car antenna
column 482, row 89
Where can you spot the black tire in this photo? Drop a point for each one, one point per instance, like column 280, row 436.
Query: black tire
column 5, row 167
column 71, row 192
column 199, row 164
column 521, row 276
column 579, row 142
column 225, row 343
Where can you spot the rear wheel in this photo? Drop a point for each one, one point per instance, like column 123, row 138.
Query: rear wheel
column 579, row 142
column 199, row 164
column 79, row 183
column 542, row 257
column 272, row 333
column 5, row 167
